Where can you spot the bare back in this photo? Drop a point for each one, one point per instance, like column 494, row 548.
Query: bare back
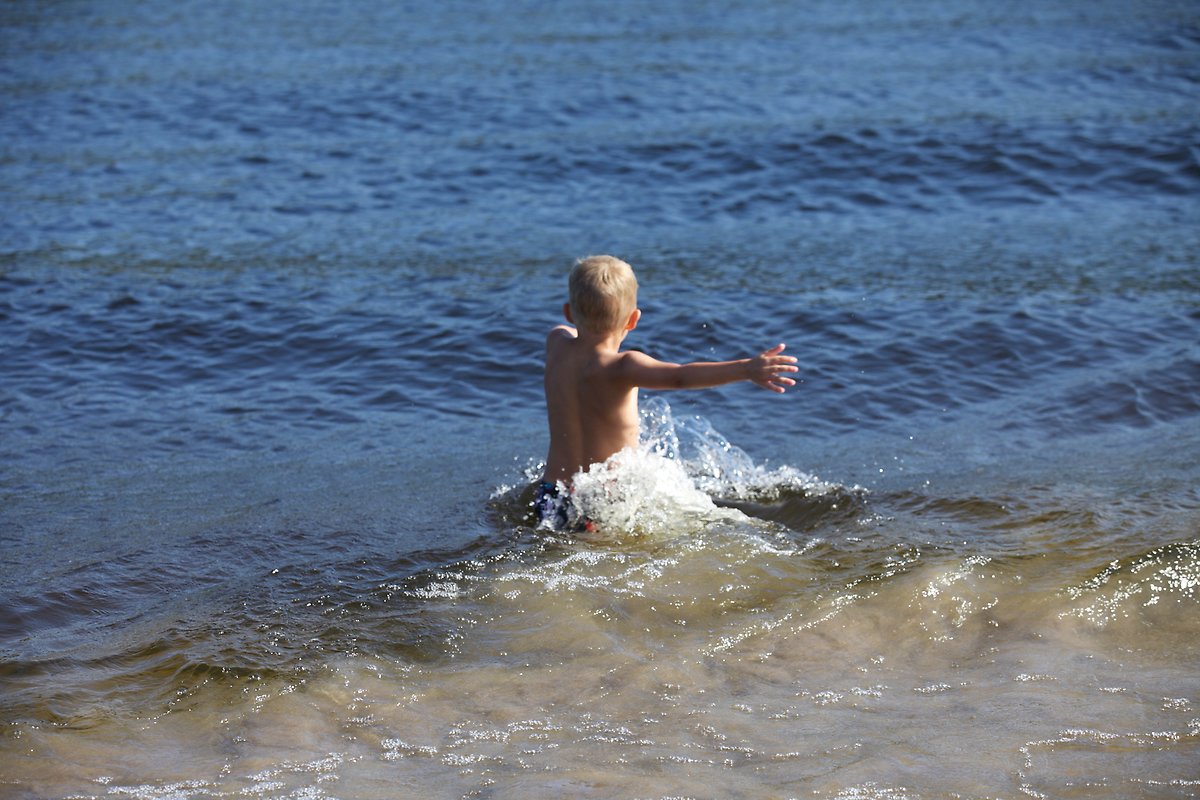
column 593, row 411
column 592, row 390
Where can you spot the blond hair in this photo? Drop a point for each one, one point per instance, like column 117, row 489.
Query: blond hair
column 603, row 293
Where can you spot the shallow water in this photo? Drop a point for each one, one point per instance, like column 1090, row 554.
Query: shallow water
column 274, row 283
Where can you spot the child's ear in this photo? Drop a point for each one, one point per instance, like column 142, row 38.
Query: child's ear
column 634, row 316
column 567, row 313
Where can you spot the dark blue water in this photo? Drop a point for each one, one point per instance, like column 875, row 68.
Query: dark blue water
column 274, row 285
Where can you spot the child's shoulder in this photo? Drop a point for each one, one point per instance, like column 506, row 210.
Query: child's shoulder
column 560, row 341
column 560, row 333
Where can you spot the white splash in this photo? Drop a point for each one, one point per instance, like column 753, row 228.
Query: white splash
column 715, row 465
column 639, row 490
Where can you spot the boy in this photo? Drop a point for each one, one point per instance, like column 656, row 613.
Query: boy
column 592, row 386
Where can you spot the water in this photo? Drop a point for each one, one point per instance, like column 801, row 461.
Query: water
column 274, row 282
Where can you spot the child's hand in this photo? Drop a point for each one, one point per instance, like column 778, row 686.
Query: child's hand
column 767, row 367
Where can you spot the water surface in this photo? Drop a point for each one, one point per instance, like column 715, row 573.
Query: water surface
column 274, row 283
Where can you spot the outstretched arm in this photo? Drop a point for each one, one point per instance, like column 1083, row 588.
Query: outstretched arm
column 766, row 370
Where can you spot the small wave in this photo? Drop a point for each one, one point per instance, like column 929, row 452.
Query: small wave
column 1162, row 583
column 1139, row 396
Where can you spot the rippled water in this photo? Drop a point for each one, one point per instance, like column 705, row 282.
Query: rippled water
column 274, row 282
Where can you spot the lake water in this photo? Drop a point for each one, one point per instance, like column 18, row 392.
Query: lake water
column 274, row 284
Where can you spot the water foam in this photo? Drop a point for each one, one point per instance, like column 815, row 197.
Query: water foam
column 639, row 490
column 714, row 464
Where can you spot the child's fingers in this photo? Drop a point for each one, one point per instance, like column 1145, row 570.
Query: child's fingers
column 774, row 383
column 774, row 351
column 778, row 359
column 773, row 365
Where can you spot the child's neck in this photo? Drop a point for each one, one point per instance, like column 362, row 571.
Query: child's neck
column 609, row 342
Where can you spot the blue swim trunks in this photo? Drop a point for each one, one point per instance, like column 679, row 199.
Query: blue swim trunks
column 555, row 510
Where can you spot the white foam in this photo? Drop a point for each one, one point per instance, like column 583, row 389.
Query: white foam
column 715, row 465
column 639, row 490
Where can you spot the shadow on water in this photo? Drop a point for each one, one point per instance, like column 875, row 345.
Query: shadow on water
column 803, row 512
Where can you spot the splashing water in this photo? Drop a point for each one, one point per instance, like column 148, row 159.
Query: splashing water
column 673, row 478
column 714, row 464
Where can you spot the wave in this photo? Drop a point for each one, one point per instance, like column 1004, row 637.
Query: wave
column 721, row 562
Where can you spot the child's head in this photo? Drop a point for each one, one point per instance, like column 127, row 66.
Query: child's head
column 603, row 294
